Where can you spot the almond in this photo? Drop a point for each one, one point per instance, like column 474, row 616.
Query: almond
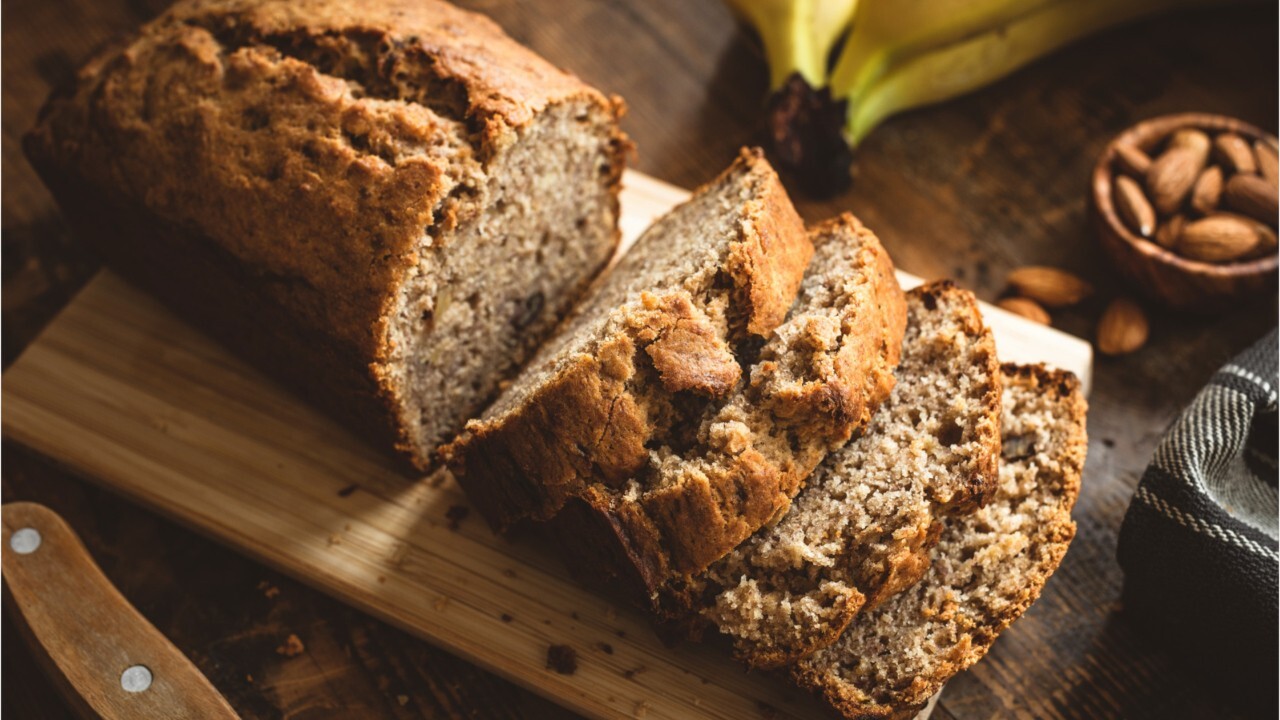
column 1049, row 286
column 1234, row 152
column 1134, row 208
column 1169, row 230
column 1028, row 309
column 1171, row 177
column 1131, row 161
column 1218, row 238
column 1191, row 139
column 1123, row 328
column 1266, row 242
column 1207, row 190
column 1265, row 156
column 1252, row 196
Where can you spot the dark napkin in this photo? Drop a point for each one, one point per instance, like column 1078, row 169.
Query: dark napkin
column 1199, row 542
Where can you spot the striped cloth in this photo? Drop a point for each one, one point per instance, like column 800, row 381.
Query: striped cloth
column 1199, row 544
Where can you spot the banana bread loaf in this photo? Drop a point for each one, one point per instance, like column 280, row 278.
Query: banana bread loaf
column 386, row 205
column 987, row 568
column 862, row 528
column 675, row 415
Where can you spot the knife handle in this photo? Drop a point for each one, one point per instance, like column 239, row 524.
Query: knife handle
column 107, row 660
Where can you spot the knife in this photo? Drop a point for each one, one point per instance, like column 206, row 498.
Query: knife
column 100, row 652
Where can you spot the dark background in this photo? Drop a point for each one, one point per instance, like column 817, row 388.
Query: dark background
column 970, row 190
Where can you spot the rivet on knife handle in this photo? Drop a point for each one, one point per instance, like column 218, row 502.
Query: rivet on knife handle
column 105, row 657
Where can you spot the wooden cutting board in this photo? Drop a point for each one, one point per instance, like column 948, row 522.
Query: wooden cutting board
column 123, row 392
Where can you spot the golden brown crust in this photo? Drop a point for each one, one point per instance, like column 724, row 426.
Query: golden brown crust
column 768, row 265
column 324, row 213
column 684, row 345
column 850, row 368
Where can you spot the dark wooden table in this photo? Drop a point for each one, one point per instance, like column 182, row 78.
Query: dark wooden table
column 969, row 190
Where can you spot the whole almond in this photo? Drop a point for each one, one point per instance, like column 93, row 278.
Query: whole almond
column 1191, row 139
column 1234, row 152
column 1049, row 286
column 1169, row 230
column 1265, row 156
column 1207, row 190
column 1123, row 328
column 1218, row 238
column 1252, row 196
column 1266, row 242
column 1028, row 309
column 1134, row 208
column 1131, row 161
column 1171, row 177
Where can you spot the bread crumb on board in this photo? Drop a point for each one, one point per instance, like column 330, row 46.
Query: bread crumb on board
column 456, row 514
column 562, row 659
column 292, row 647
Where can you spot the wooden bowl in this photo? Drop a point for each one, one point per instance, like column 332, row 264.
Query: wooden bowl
column 1162, row 274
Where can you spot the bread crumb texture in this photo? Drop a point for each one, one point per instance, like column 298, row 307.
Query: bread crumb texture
column 987, row 568
column 682, row 406
column 862, row 528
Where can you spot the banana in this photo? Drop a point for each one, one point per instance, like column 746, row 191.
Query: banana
column 898, row 74
column 887, row 32
column 900, row 54
column 797, row 34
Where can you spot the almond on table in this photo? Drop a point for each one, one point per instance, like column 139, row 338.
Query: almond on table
column 1025, row 307
column 1123, row 328
column 1049, row 286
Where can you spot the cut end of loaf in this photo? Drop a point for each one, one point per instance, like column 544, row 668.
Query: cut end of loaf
column 988, row 568
column 643, row 351
column 659, row 419
column 503, row 263
column 862, row 527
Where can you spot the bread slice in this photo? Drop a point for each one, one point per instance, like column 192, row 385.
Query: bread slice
column 987, row 568
column 387, row 205
column 674, row 416
column 862, row 528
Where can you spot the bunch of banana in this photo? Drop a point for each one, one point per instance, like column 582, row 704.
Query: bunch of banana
column 898, row 55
